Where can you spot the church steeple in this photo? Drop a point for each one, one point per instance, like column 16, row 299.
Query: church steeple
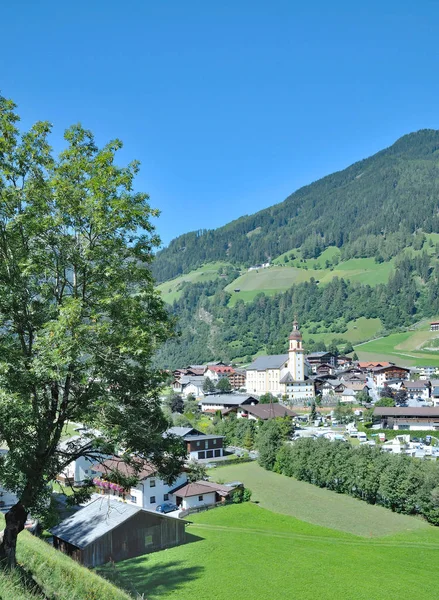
column 295, row 353
column 295, row 334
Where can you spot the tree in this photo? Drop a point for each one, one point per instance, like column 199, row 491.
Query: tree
column 266, row 398
column 268, row 442
column 79, row 316
column 348, row 348
column 208, row 386
column 174, row 402
column 385, row 401
column 197, row 471
column 401, row 396
column 313, row 413
column 362, row 397
column 355, row 356
column 191, row 404
column 223, row 385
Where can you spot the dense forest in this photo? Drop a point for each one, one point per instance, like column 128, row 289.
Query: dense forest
column 372, row 208
column 210, row 329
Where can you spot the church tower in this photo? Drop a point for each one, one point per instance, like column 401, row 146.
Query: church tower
column 296, row 359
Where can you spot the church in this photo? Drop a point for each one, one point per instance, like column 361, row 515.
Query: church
column 282, row 374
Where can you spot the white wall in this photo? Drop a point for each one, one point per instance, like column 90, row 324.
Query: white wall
column 193, row 501
column 143, row 492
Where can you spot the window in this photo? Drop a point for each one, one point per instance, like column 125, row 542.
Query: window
column 214, row 442
column 133, row 499
column 152, row 500
column 165, row 497
column 198, row 443
column 206, row 444
column 152, row 483
column 200, row 498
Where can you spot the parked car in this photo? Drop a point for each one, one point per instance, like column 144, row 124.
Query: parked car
column 166, row 507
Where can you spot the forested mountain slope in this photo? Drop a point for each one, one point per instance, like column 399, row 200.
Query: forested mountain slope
column 372, row 208
column 355, row 254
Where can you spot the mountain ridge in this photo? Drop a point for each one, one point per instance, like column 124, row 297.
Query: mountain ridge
column 387, row 180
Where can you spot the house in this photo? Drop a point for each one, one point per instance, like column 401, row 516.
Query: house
column 217, row 372
column 426, row 373
column 434, row 391
column 384, row 374
column 347, row 396
column 344, row 362
column 148, row 493
column 417, row 389
column 282, row 374
column 320, row 358
column 201, row 493
column 422, row 418
column 81, row 468
column 213, row 402
column 357, row 387
column 237, row 379
column 264, row 412
column 368, row 366
column 199, row 445
column 324, row 369
column 434, row 326
column 106, row 530
column 332, row 387
column 189, row 384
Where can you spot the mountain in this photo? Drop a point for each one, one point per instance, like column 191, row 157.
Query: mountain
column 395, row 190
column 360, row 246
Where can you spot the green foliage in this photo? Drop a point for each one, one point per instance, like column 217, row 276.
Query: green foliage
column 385, row 401
column 208, row 385
column 269, row 440
column 267, row 398
column 395, row 481
column 223, row 385
column 343, row 413
column 79, row 315
column 196, row 472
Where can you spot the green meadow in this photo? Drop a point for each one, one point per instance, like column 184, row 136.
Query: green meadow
column 253, row 552
column 171, row 290
column 409, row 348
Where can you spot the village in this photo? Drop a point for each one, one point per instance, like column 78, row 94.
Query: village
column 322, row 395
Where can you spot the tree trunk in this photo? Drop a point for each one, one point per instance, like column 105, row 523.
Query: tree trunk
column 15, row 521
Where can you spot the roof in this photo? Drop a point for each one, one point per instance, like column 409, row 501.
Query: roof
column 356, row 386
column 230, row 399
column 369, row 365
column 198, row 488
column 416, row 384
column 183, row 431
column 202, row 436
column 93, row 521
column 262, row 363
column 434, row 323
column 348, row 392
column 318, row 354
column 194, row 379
column 268, row 411
column 117, row 464
column 410, row 411
column 391, row 366
column 220, row 369
column 287, row 378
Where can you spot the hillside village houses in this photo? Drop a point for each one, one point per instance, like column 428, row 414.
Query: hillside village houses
column 282, row 374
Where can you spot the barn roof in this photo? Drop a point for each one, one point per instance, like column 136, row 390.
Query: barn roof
column 93, row 521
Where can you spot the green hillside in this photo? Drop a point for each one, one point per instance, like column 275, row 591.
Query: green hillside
column 246, row 552
column 45, row 573
column 359, row 246
column 370, row 209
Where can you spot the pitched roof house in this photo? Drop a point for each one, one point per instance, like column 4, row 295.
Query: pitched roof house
column 106, row 530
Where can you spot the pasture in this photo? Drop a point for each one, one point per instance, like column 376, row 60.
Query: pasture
column 171, row 290
column 245, row 552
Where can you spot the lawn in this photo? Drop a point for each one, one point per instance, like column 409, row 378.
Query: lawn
column 245, row 552
column 316, row 505
column 404, row 348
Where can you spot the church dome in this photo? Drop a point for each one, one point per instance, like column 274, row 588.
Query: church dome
column 295, row 334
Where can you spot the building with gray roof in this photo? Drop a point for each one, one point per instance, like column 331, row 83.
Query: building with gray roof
column 108, row 530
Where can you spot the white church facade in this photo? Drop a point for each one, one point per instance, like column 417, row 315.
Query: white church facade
column 282, row 374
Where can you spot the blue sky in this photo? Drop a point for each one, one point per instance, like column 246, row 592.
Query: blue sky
column 230, row 106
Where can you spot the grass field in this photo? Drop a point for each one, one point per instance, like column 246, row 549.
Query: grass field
column 245, row 552
column 359, row 330
column 171, row 291
column 406, row 348
column 280, row 278
column 316, row 505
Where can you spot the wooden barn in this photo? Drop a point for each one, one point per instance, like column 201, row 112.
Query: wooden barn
column 109, row 530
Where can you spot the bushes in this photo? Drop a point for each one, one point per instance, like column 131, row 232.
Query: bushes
column 396, row 481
